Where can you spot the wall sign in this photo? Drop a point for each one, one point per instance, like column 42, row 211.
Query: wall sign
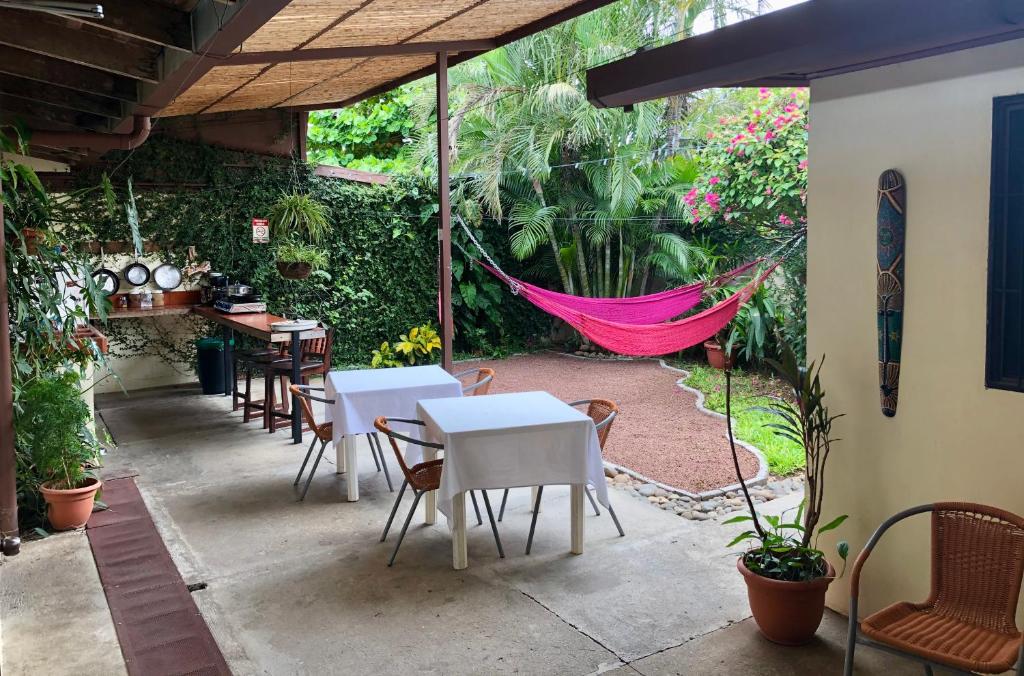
column 260, row 231
column 892, row 229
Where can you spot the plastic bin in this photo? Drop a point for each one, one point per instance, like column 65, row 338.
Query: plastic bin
column 210, row 354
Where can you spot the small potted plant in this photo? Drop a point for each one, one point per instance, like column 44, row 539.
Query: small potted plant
column 715, row 350
column 785, row 572
column 295, row 213
column 297, row 260
column 52, row 427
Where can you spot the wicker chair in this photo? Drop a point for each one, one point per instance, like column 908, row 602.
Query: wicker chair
column 603, row 413
column 421, row 477
column 967, row 623
column 323, row 433
column 480, row 386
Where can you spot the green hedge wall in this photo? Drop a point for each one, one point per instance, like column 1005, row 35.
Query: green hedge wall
column 382, row 276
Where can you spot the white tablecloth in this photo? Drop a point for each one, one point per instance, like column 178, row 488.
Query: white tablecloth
column 360, row 396
column 512, row 440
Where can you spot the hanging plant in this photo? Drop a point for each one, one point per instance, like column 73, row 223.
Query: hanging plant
column 295, row 213
column 297, row 260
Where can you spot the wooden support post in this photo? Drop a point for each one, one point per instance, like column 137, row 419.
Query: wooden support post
column 444, row 227
column 8, row 463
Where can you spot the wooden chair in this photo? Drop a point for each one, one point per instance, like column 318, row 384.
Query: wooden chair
column 967, row 622
column 421, row 477
column 323, row 433
column 480, row 386
column 603, row 412
column 314, row 359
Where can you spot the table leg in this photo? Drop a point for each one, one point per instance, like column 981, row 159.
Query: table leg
column 340, row 463
column 430, row 503
column 460, row 555
column 229, row 361
column 296, row 379
column 577, row 515
column 351, row 468
column 533, row 499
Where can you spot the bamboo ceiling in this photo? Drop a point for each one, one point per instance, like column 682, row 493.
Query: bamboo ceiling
column 320, row 24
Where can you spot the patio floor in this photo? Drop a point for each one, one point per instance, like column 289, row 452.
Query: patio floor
column 297, row 588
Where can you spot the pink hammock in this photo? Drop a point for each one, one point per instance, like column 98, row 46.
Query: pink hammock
column 650, row 309
column 650, row 340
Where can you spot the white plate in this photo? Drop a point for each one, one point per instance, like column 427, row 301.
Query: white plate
column 294, row 325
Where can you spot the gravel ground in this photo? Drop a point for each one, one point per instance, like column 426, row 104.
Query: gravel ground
column 659, row 431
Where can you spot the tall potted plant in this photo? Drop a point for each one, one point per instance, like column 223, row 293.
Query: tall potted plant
column 293, row 216
column 785, row 572
column 53, row 425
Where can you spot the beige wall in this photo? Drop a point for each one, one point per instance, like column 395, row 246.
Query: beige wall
column 951, row 438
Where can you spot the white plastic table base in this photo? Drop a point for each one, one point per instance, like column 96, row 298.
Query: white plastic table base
column 347, row 463
column 460, row 553
column 577, row 517
column 430, row 502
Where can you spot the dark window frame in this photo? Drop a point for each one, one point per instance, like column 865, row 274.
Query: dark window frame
column 1001, row 290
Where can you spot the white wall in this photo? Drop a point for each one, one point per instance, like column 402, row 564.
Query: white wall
column 951, row 438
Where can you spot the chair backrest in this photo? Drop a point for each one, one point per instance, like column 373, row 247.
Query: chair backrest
column 481, row 385
column 306, row 402
column 603, row 412
column 977, row 564
column 318, row 347
column 382, row 424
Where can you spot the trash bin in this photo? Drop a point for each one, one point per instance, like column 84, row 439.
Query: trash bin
column 210, row 353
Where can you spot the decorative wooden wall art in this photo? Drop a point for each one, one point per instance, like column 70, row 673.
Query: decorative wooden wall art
column 892, row 227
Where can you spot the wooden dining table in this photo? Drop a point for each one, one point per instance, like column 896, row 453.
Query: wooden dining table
column 259, row 326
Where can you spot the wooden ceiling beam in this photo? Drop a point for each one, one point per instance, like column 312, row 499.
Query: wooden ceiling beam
column 79, row 42
column 61, row 73
column 147, row 20
column 35, row 113
column 355, row 52
column 60, row 96
column 834, row 36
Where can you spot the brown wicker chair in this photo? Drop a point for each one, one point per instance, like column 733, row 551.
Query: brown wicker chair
column 967, row 623
column 421, row 477
column 323, row 433
column 480, row 386
column 603, row 413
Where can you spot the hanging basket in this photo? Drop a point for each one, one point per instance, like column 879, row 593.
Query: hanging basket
column 294, row 270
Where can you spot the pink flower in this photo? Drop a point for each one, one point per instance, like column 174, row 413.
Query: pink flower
column 768, row 190
column 713, row 200
column 764, row 93
column 711, row 134
column 803, row 165
column 695, row 212
column 752, row 127
column 779, row 122
column 757, row 112
column 785, row 220
column 722, row 120
column 713, row 180
column 691, row 197
column 738, row 137
column 769, row 135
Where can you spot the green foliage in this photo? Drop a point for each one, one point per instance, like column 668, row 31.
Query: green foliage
column 789, row 550
column 385, row 357
column 297, row 214
column 369, row 136
column 751, row 332
column 300, row 252
column 753, row 392
column 52, row 424
column 419, row 344
column 381, row 273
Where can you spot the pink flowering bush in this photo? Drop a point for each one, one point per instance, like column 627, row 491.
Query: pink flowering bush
column 753, row 169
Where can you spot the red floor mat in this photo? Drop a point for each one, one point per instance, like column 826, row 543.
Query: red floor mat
column 158, row 625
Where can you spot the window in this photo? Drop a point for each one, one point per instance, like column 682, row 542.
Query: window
column 1005, row 351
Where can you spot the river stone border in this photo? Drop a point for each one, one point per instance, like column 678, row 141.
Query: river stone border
column 709, row 504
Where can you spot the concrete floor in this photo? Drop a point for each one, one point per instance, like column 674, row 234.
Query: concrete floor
column 302, row 588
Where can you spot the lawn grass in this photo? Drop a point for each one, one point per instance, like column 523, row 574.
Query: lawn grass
column 749, row 390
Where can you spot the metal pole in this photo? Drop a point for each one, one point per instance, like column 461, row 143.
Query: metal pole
column 8, row 462
column 444, row 230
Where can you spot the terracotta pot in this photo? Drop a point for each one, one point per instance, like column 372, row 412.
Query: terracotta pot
column 787, row 613
column 32, row 239
column 294, row 270
column 70, row 508
column 716, row 355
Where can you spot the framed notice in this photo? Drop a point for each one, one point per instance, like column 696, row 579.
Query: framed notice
column 260, row 231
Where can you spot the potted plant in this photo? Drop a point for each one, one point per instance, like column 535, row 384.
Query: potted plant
column 297, row 260
column 785, row 572
column 715, row 350
column 52, row 426
column 295, row 213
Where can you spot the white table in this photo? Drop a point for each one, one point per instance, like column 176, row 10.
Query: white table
column 360, row 396
column 509, row 441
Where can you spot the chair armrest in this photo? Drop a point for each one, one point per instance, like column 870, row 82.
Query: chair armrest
column 463, row 374
column 607, row 421
column 875, row 537
column 481, row 383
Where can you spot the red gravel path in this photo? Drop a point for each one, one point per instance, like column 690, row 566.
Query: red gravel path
column 659, row 431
